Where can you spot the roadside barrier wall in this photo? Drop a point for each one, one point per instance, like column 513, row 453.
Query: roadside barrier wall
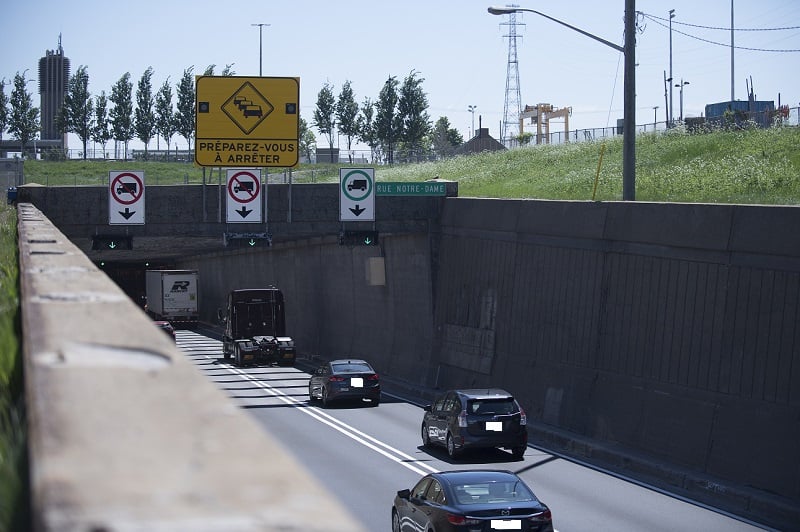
column 124, row 433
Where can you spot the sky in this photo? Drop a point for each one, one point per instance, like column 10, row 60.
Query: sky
column 458, row 49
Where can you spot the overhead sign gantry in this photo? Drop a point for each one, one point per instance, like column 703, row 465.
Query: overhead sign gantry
column 247, row 121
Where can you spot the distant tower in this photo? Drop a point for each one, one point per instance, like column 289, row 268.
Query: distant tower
column 53, row 80
column 512, row 106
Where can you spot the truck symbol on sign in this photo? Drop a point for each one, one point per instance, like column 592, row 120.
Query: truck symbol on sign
column 129, row 188
column 357, row 184
column 243, row 185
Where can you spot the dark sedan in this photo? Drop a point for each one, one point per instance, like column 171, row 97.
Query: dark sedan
column 345, row 379
column 470, row 500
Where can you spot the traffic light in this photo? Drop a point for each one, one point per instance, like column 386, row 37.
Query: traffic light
column 358, row 238
column 112, row 242
column 247, row 240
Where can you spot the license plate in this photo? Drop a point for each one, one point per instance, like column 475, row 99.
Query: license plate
column 494, row 426
column 357, row 382
column 248, row 357
column 506, row 524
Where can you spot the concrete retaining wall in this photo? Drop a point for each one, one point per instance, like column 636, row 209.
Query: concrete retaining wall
column 124, row 433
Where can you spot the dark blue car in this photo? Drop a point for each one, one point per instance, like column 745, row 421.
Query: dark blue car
column 470, row 500
column 345, row 379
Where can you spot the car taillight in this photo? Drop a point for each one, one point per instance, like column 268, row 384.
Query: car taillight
column 457, row 520
column 462, row 419
column 335, row 378
column 544, row 517
column 373, row 377
column 523, row 419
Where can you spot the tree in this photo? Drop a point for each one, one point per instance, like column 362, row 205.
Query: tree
column 76, row 113
column 165, row 116
column 100, row 132
column 307, row 139
column 388, row 124
column 23, row 123
column 366, row 126
column 445, row 138
column 412, row 109
column 347, row 116
column 3, row 107
column 145, row 120
column 324, row 114
column 184, row 118
column 122, row 112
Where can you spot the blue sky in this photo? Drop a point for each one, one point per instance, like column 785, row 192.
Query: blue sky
column 455, row 45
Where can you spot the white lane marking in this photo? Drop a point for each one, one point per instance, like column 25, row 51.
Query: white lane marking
column 353, row 433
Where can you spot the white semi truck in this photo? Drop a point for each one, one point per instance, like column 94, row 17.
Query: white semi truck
column 172, row 295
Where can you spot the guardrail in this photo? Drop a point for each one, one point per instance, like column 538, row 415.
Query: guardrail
column 124, row 432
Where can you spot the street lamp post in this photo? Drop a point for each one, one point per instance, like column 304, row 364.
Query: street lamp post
column 471, row 109
column 629, row 106
column 655, row 117
column 671, row 16
column 681, row 85
column 260, row 46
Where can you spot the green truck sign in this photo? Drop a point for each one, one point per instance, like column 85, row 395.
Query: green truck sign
column 410, row 189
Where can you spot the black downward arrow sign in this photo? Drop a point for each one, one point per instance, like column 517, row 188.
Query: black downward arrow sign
column 243, row 212
column 358, row 210
column 127, row 213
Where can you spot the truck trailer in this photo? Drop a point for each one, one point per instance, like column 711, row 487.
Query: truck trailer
column 255, row 328
column 172, row 295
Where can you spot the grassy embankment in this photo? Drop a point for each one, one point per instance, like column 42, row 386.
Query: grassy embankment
column 13, row 455
column 751, row 166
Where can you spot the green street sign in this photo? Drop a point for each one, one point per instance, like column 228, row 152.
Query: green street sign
column 388, row 188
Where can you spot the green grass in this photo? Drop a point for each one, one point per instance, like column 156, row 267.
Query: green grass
column 13, row 454
column 747, row 166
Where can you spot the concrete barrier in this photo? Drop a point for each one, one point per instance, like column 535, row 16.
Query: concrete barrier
column 124, row 432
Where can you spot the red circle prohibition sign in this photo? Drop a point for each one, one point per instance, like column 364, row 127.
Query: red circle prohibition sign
column 250, row 188
column 135, row 189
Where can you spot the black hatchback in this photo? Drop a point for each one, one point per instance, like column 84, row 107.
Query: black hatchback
column 475, row 501
column 476, row 419
column 345, row 379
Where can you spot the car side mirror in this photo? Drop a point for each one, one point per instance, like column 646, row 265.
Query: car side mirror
column 428, row 408
column 220, row 316
column 404, row 494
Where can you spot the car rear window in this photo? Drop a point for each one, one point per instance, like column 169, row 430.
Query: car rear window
column 489, row 492
column 492, row 406
column 352, row 367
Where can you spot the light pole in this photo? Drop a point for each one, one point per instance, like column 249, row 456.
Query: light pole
column 629, row 106
column 260, row 45
column 655, row 117
column 671, row 16
column 681, row 85
column 471, row 109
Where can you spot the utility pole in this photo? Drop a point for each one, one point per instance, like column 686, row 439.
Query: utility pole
column 671, row 16
column 732, row 95
column 260, row 46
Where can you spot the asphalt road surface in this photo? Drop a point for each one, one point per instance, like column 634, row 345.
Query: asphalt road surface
column 364, row 455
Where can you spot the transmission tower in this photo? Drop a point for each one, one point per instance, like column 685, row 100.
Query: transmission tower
column 513, row 104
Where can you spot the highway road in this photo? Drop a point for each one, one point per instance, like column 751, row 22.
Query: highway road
column 363, row 455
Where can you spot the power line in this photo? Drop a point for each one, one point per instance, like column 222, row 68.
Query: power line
column 719, row 28
column 657, row 20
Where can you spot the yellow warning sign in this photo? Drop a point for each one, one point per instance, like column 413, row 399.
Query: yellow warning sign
column 243, row 121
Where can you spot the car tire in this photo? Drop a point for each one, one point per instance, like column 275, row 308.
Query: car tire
column 426, row 439
column 375, row 402
column 452, row 451
column 395, row 521
column 237, row 355
column 518, row 452
column 325, row 400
